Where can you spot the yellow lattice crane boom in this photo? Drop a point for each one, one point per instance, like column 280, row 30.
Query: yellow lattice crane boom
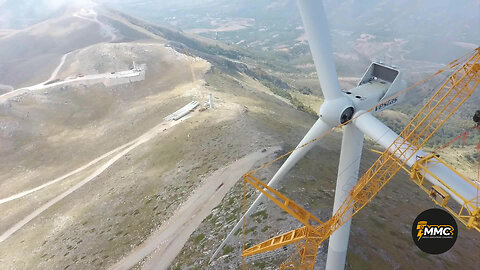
column 458, row 87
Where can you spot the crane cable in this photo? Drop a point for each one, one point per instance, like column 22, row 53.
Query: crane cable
column 450, row 66
column 463, row 138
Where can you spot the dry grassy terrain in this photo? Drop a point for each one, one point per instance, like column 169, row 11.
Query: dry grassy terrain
column 157, row 165
column 46, row 134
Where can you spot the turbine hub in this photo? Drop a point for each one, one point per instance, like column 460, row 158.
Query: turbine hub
column 337, row 111
column 347, row 114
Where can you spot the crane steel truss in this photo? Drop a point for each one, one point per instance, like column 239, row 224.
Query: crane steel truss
column 447, row 99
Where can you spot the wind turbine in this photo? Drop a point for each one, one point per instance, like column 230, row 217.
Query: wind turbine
column 376, row 88
column 338, row 107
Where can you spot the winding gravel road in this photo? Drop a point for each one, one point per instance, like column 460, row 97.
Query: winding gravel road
column 152, row 133
column 165, row 244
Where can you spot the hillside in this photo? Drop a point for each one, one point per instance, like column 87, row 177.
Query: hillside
column 28, row 55
column 85, row 189
column 419, row 37
column 93, row 171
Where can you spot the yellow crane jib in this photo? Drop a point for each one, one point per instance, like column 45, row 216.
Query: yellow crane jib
column 458, row 87
column 467, row 212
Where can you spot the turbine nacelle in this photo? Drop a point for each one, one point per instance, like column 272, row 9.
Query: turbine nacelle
column 376, row 89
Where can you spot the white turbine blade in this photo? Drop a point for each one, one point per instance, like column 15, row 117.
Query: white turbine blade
column 350, row 155
column 316, row 27
column 317, row 129
column 384, row 136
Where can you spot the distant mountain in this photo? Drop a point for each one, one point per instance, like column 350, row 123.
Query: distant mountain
column 435, row 30
column 446, row 19
column 19, row 14
column 27, row 55
column 431, row 27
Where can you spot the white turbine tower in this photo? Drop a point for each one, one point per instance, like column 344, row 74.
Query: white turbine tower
column 376, row 88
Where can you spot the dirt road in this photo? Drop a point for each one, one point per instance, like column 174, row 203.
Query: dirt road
column 16, row 92
column 58, row 179
column 162, row 127
column 91, row 15
column 86, row 14
column 57, row 69
column 168, row 240
column 41, row 86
